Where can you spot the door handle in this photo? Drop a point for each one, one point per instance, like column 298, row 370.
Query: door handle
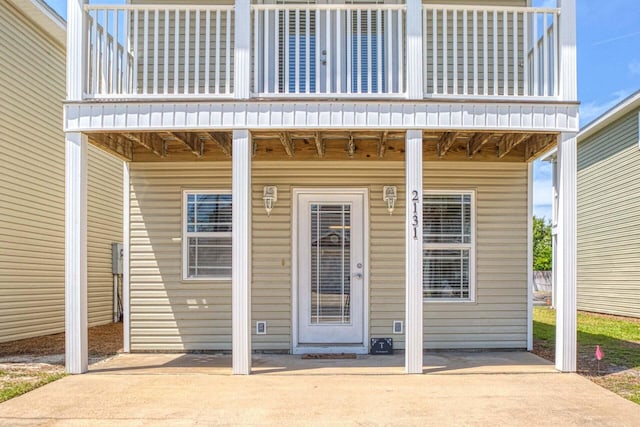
column 358, row 276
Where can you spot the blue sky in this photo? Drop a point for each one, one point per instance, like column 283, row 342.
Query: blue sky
column 608, row 69
column 608, row 66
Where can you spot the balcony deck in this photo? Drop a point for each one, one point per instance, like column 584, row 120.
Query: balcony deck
column 333, row 80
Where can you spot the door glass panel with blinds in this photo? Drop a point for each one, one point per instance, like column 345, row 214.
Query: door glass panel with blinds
column 330, row 265
column 332, row 51
column 330, row 269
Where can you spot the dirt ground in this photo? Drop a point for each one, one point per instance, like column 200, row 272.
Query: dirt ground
column 32, row 362
column 104, row 341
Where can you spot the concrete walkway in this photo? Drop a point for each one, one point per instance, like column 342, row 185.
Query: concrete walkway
column 459, row 388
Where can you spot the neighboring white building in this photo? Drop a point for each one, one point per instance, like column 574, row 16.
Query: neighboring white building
column 32, row 182
column 306, row 177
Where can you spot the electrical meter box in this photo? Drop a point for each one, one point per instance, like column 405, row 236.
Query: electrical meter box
column 116, row 258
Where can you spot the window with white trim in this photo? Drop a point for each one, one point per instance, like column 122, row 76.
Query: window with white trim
column 449, row 245
column 207, row 235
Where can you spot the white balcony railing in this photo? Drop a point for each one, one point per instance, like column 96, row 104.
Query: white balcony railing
column 489, row 51
column 173, row 51
column 320, row 50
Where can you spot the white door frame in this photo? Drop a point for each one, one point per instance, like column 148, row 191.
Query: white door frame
column 296, row 348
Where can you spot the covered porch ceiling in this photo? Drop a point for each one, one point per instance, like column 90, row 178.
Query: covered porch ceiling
column 165, row 146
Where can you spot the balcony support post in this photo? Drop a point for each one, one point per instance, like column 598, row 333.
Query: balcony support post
column 242, row 35
column 76, row 49
column 76, row 306
column 414, row 49
column 566, row 261
column 413, row 248
column 241, row 252
column 568, row 83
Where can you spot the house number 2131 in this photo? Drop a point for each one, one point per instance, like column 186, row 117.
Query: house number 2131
column 415, row 200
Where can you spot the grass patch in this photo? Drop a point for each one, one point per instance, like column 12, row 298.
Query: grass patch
column 627, row 386
column 619, row 338
column 15, row 383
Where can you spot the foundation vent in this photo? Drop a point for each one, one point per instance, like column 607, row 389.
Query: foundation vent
column 261, row 327
column 398, row 326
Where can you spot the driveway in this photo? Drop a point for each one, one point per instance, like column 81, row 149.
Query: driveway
column 458, row 388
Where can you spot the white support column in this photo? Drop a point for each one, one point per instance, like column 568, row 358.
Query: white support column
column 566, row 316
column 568, row 58
column 414, row 69
column 242, row 52
column 76, row 49
column 76, row 337
column 241, row 252
column 529, row 256
column 76, row 334
column 413, row 254
column 554, row 232
column 126, row 221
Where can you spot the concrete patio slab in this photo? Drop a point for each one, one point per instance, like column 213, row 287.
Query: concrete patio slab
column 459, row 388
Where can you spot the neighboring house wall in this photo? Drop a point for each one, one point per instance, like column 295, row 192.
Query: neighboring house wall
column 32, row 84
column 168, row 313
column 609, row 219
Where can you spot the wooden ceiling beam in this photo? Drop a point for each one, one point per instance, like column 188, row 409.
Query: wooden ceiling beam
column 510, row 141
column 477, row 141
column 191, row 141
column 114, row 144
column 320, row 145
column 150, row 141
column 382, row 144
column 223, row 141
column 537, row 145
column 285, row 139
column 351, row 146
column 446, row 142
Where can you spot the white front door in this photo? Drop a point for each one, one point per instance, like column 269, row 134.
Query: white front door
column 331, row 271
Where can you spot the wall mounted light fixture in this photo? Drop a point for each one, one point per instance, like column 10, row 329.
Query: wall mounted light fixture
column 270, row 197
column 390, row 195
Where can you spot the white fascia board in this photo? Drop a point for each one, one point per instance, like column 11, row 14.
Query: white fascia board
column 272, row 115
column 44, row 17
column 550, row 156
column 617, row 112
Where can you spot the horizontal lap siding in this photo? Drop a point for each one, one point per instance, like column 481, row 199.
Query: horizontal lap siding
column 32, row 190
column 104, row 226
column 498, row 317
column 168, row 313
column 271, row 292
column 609, row 220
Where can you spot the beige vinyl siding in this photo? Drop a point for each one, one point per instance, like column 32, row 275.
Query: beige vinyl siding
column 272, row 245
column 168, row 313
column 104, row 226
column 171, row 314
column 32, row 189
column 498, row 317
column 609, row 219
